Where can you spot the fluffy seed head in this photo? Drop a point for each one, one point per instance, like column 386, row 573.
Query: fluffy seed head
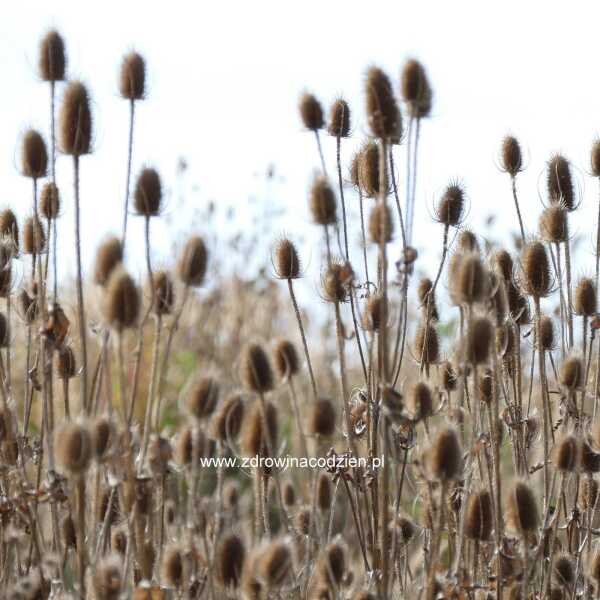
column 479, row 340
column 323, row 202
column 311, row 112
column 132, row 79
column 75, row 120
column 560, row 182
column 554, row 224
column 381, row 224
column 445, row 455
column 584, row 302
column 450, row 208
column 49, row 201
column 537, row 278
column 382, row 110
column 147, row 196
column 52, row 61
column 522, row 509
column 510, row 156
column 34, row 236
column 321, row 419
column 34, row 156
column 73, row 445
column 547, row 338
column 416, row 90
column 229, row 561
column 479, row 516
column 324, row 492
column 339, row 119
column 595, row 158
column 203, row 397
column 255, row 369
column 420, row 401
column 172, row 567
column 192, row 264
column 285, row 359
column 108, row 256
column 567, row 454
column 368, row 169
column 571, row 373
column 164, row 294
column 122, row 301
column 227, row 420
column 427, row 345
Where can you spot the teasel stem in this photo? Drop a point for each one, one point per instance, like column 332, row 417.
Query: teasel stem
column 363, row 235
column 53, row 175
column 81, row 546
column 297, row 418
column 397, row 197
column 340, row 182
column 8, row 346
column 80, row 302
column 569, row 291
column 320, row 149
column 563, row 307
column 357, row 525
column 383, row 334
column 128, row 178
column 409, row 136
column 435, row 545
column 513, row 181
column 385, row 508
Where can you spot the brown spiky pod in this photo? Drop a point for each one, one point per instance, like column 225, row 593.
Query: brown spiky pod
column 595, row 158
column 324, row 492
column 547, row 338
column 566, row 454
column 285, row 359
column 554, row 224
column 571, row 373
column 518, row 305
column 479, row 340
column 420, row 401
column 275, row 564
column 256, row 373
column 302, row 521
column 75, row 120
column 203, row 397
column 503, row 264
column 52, row 61
column 190, row 442
column 381, row 224
column 288, row 494
column 323, row 204
column 108, row 507
column 9, row 227
column 470, row 282
column 485, row 385
column 132, row 77
column 172, row 567
column 122, row 301
column 147, row 196
column 164, row 293
column 28, row 307
column 450, row 209
column 467, row 242
column 69, row 534
column 286, row 260
column 427, row 344
column 354, row 170
column 311, row 112
column 536, row 274
column 382, row 109
column 193, row 261
column 229, row 560
column 416, row 90
column 511, row 157
column 34, row 236
column 444, row 457
column 108, row 256
column 6, row 281
column 589, row 493
column 427, row 298
column 108, row 578
column 449, row 377
column 252, row 440
column 339, row 119
column 479, row 516
column 564, row 570
column 322, row 418
column 584, row 301
column 4, row 331
column 522, row 509
column 333, row 563
column 336, row 282
column 376, row 313
column 227, row 420
column 34, row 156
column 368, row 169
column 560, row 182
column 49, row 201
column 103, row 435
column 73, row 445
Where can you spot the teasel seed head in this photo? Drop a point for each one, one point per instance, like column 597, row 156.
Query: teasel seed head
column 108, row 256
column 564, row 571
column 172, row 567
column 522, row 509
column 336, row 281
column 333, row 563
column 275, row 564
column 9, row 227
column 567, row 454
column 511, row 158
column 416, row 90
column 192, row 264
column 376, row 313
column 190, row 440
column 103, row 435
column 324, row 492
column 444, row 457
column 285, row 359
column 203, row 397
column 34, row 236
column 69, row 535
column 34, row 156
column 229, row 560
column 75, row 120
column 547, row 337
column 6, row 281
column 122, row 301
column 420, row 401
column 302, row 521
column 108, row 578
column 28, row 306
column 448, row 376
column 479, row 516
column 595, row 158
column 311, row 112
column 164, row 293
column 537, row 278
column 554, row 224
column 368, row 169
column 73, row 444
column 321, row 418
column 383, row 113
column 485, row 385
column 52, row 62
column 470, row 282
column 253, row 442
column 286, row 260
column 427, row 345
column 381, row 224
column 479, row 340
column 560, row 182
column 147, row 196
column 354, row 170
column 585, row 298
column 589, row 493
column 132, row 78
column 467, row 242
column 450, row 209
column 339, row 119
column 323, row 204
column 518, row 305
column 571, row 373
column 49, row 201
column 503, row 263
column 288, row 494
column 256, row 372
column 427, row 298
column 227, row 420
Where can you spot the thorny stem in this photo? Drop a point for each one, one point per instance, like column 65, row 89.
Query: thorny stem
column 128, row 178
column 514, row 191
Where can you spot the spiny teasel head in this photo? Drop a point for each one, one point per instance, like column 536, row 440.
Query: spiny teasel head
column 584, row 302
column 108, row 578
column 381, row 224
column 547, row 338
column 426, row 297
column 536, row 274
column 554, row 224
column 285, row 359
column 52, row 61
column 172, row 567
column 498, row 298
column 275, row 564
column 202, row 397
column 192, row 263
column 368, row 169
column 564, row 570
column 227, row 420
column 286, row 260
column 449, row 378
column 132, row 77
column 311, row 112
column 190, row 443
column 253, row 442
column 560, row 183
column 590, row 459
column 332, row 563
column 164, row 293
column 323, row 204
column 511, row 158
column 595, row 158
column 6, row 280
column 4, row 331
column 479, row 516
column 451, row 206
column 256, row 372
column 103, row 435
column 69, row 534
column 376, row 313
column 108, row 507
column 34, row 156
column 470, row 282
column 108, row 256
column 589, row 493
column 9, row 227
column 354, row 170
column 34, row 236
column 503, row 264
column 229, row 560
column 485, row 385
column 336, row 282
column 571, row 373
column 302, row 520
column 122, row 301
column 49, row 201
column 339, row 119
column 518, row 305
column 147, row 196
column 444, row 457
column 28, row 306
column 324, row 492
column 251, row 586
column 383, row 113
column 288, row 494
column 467, row 242
column 75, row 120
column 427, row 344
column 566, row 454
column 73, row 445
column 479, row 340
column 420, row 401
column 415, row 89
column 522, row 509
column 322, row 418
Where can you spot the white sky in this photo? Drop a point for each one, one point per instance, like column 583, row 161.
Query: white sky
column 225, row 78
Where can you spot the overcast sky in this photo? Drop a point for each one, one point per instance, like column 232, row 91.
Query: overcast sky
column 225, row 78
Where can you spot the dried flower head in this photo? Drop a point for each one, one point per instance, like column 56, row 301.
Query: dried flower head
column 584, row 302
column 381, row 224
column 450, row 208
column 323, row 202
column 229, row 560
column 122, row 301
column 147, row 196
column 172, row 567
column 227, row 420
column 416, row 90
column 286, row 260
column 511, row 158
column 132, row 78
column 324, row 492
column 427, row 345
column 376, row 313
column 73, row 444
column 339, row 119
column 567, row 454
column 256, row 372
column 192, row 264
column 49, row 201
column 75, row 120
column 52, row 62
column 547, row 337
column 537, row 278
column 202, row 398
column 382, row 109
column 321, row 418
column 554, row 224
column 108, row 256
column 445, row 455
column 368, row 169
column 571, row 373
column 522, row 509
column 253, row 442
column 479, row 516
column 595, row 158
column 164, row 293
column 560, row 182
column 285, row 359
column 311, row 112
column 420, row 401
column 34, row 156
column 108, row 578
column 275, row 564
column 34, row 236
column 9, row 228
column 479, row 340
column 336, row 281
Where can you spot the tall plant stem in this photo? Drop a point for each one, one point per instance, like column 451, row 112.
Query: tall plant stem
column 128, row 177
column 516, row 199
column 53, row 175
column 544, row 385
column 363, row 235
column 569, row 292
column 320, row 149
column 297, row 418
column 341, row 185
